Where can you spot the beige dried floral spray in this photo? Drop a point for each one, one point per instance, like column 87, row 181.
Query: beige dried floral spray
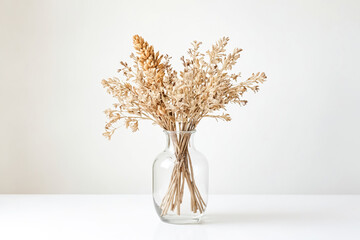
column 150, row 89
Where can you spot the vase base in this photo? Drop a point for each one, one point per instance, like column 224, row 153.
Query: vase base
column 180, row 220
column 173, row 218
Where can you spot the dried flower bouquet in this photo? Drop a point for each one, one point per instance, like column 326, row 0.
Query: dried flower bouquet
column 153, row 90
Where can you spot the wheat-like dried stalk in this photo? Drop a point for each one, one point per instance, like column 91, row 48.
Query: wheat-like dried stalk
column 152, row 90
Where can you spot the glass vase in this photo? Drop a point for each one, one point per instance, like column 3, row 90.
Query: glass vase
column 180, row 180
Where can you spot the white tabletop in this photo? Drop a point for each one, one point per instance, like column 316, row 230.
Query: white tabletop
column 125, row 217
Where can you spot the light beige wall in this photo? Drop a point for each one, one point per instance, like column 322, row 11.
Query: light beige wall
column 298, row 135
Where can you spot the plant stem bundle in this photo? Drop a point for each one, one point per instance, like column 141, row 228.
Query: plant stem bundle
column 182, row 172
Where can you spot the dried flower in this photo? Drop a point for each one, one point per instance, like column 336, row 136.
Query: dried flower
column 152, row 90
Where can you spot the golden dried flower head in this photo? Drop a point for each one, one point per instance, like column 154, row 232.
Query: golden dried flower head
column 149, row 60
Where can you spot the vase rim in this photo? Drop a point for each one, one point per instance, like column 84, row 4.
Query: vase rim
column 179, row 132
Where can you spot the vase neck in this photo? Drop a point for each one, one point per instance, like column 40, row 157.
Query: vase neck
column 179, row 139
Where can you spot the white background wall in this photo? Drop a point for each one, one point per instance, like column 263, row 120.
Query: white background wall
column 299, row 134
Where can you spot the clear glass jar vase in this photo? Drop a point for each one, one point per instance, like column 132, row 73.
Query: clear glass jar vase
column 180, row 180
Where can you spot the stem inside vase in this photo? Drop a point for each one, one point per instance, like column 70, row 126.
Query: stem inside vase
column 181, row 173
